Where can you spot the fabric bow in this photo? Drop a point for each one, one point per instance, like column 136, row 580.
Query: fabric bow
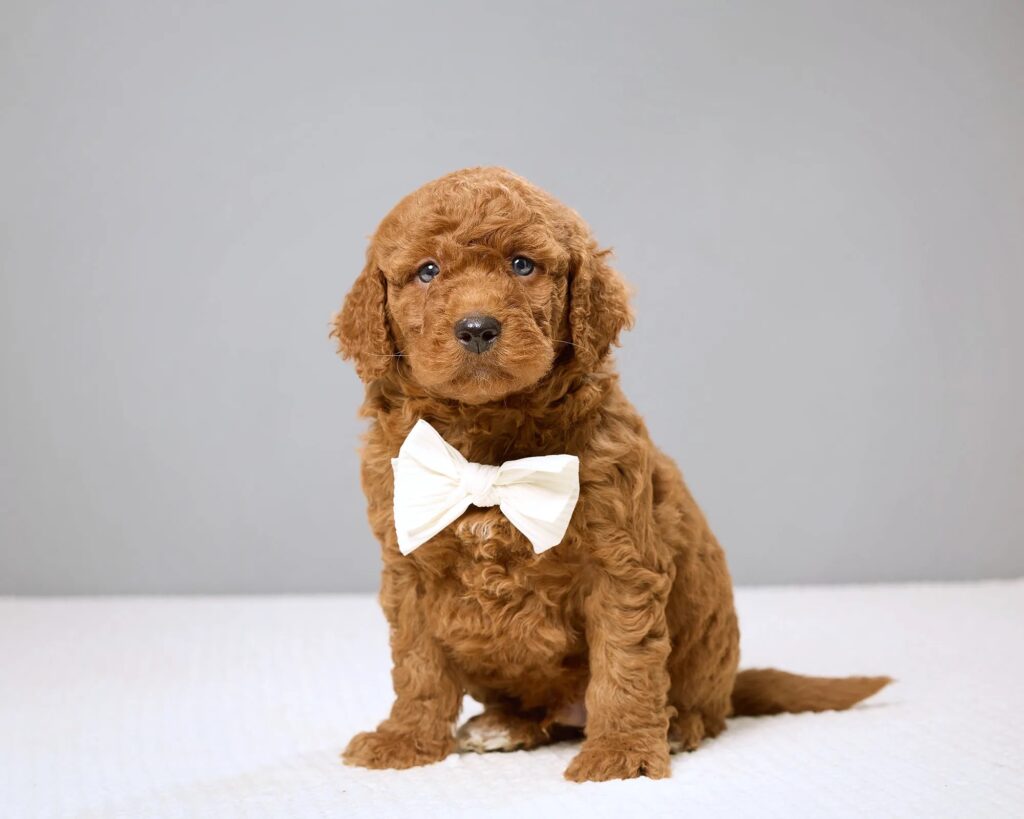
column 434, row 485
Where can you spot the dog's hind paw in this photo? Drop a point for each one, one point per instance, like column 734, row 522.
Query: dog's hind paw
column 497, row 731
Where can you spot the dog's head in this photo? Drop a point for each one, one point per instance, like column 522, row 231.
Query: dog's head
column 476, row 286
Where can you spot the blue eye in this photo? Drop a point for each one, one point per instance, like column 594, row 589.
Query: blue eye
column 522, row 266
column 427, row 272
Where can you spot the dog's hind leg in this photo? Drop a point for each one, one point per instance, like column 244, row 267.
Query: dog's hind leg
column 705, row 651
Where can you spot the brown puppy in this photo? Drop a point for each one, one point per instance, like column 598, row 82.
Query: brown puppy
column 628, row 625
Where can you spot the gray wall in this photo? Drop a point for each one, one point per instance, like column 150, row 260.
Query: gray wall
column 820, row 205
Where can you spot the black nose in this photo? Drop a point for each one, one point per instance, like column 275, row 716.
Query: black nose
column 477, row 333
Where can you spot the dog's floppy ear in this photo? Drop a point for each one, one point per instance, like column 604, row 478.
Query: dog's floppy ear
column 361, row 326
column 598, row 301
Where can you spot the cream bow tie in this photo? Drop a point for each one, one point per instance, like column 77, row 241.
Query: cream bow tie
column 434, row 484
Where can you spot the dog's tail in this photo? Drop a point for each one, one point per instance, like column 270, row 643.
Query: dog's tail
column 761, row 691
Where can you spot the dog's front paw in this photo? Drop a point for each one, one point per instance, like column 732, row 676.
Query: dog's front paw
column 604, row 758
column 387, row 749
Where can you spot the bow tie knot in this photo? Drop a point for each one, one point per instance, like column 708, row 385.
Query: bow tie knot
column 435, row 484
column 477, row 480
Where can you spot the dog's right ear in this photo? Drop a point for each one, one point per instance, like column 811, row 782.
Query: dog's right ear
column 361, row 326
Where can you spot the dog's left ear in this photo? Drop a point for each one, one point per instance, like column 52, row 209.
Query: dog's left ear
column 361, row 326
column 598, row 300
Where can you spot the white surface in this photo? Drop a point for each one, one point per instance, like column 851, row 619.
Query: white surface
column 204, row 707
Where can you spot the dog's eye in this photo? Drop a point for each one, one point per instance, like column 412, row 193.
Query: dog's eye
column 522, row 266
column 427, row 272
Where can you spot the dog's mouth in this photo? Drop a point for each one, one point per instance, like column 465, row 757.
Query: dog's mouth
column 488, row 364
column 484, row 377
column 479, row 378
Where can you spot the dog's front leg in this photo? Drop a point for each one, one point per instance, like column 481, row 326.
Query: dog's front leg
column 420, row 729
column 627, row 711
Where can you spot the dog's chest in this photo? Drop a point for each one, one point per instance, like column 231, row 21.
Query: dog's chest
column 499, row 609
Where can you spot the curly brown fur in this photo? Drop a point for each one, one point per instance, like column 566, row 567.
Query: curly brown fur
column 631, row 616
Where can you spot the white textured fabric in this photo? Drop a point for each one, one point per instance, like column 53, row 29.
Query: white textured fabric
column 214, row 708
column 434, row 485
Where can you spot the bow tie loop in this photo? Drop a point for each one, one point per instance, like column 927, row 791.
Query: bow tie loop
column 435, row 484
column 477, row 480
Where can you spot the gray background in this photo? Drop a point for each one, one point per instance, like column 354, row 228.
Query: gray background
column 820, row 206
